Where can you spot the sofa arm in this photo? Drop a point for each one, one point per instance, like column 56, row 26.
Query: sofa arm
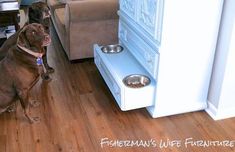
column 89, row 10
column 54, row 4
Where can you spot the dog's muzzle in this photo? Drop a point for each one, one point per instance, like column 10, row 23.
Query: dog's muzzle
column 47, row 40
column 46, row 14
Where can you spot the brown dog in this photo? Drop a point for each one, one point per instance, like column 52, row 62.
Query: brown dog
column 20, row 69
column 38, row 13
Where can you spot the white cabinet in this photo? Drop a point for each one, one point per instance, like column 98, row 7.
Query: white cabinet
column 172, row 43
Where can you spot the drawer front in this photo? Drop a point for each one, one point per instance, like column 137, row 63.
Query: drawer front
column 96, row 57
column 113, row 86
column 129, row 7
column 146, row 55
column 110, row 81
column 149, row 17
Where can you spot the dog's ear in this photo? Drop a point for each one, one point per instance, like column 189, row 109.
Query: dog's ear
column 22, row 40
column 34, row 7
column 37, row 5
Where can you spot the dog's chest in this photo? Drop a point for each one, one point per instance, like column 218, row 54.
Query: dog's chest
column 27, row 74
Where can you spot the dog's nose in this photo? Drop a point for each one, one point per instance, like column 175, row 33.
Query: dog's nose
column 47, row 38
column 48, row 14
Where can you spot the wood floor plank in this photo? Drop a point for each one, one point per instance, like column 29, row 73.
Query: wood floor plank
column 3, row 142
column 79, row 114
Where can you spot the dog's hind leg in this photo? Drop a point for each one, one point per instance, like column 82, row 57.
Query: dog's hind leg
column 24, row 100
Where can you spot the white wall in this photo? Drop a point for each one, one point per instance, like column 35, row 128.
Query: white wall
column 221, row 97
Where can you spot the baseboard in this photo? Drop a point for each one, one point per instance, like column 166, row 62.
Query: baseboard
column 212, row 111
column 173, row 110
column 222, row 113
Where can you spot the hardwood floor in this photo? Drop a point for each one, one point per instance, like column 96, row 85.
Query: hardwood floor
column 78, row 112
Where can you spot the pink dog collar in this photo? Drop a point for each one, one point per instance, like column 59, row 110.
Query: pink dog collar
column 35, row 54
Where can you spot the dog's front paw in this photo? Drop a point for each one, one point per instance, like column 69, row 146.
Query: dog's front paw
column 46, row 77
column 50, row 70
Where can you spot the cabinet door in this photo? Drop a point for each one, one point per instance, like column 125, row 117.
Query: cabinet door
column 149, row 17
column 129, row 7
column 147, row 56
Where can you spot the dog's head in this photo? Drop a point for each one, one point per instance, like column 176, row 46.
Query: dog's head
column 33, row 37
column 39, row 12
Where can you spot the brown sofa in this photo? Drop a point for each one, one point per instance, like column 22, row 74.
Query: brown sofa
column 81, row 23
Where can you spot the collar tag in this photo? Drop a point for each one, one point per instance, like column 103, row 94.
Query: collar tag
column 39, row 61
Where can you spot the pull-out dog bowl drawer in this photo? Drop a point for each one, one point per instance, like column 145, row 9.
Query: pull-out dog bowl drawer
column 118, row 69
column 112, row 49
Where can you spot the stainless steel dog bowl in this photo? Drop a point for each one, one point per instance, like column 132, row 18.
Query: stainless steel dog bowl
column 136, row 81
column 112, row 48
